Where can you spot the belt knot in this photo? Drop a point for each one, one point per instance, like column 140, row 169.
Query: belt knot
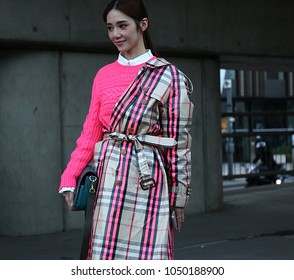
column 146, row 180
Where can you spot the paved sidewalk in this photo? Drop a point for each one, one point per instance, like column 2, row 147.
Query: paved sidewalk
column 254, row 223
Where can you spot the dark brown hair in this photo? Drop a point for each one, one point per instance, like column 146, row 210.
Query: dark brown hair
column 136, row 10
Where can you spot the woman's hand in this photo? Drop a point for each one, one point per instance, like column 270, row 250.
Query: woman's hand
column 69, row 199
column 180, row 216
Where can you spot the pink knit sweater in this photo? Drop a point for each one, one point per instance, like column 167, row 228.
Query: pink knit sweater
column 109, row 84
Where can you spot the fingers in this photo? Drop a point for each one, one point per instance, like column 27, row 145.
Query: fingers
column 69, row 199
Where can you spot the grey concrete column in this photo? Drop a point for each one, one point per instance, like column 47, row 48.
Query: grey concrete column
column 29, row 143
column 208, row 130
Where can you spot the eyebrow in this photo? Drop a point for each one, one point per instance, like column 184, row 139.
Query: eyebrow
column 119, row 22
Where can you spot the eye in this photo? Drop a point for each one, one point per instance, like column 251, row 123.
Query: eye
column 123, row 26
column 109, row 28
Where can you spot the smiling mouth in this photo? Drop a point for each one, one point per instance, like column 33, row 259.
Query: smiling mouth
column 119, row 43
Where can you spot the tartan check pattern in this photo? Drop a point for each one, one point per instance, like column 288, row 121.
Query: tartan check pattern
column 143, row 166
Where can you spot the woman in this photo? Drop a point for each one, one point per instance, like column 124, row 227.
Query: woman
column 138, row 122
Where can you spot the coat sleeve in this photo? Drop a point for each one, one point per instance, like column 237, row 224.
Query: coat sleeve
column 177, row 122
column 83, row 153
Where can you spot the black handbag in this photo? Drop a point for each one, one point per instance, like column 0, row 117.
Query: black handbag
column 84, row 197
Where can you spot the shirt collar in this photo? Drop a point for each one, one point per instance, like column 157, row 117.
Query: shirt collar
column 136, row 61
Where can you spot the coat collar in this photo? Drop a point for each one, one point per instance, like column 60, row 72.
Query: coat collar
column 158, row 62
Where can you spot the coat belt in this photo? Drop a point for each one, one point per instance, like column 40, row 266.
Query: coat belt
column 146, row 180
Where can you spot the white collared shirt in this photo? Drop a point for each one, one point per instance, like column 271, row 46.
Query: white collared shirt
column 136, row 61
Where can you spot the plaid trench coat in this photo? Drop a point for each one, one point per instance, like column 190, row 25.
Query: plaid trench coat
column 143, row 166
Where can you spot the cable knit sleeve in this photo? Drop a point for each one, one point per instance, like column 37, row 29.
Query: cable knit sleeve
column 83, row 153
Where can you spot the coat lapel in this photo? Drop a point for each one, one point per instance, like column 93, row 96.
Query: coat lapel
column 133, row 92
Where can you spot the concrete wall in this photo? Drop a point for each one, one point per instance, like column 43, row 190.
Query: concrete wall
column 235, row 27
column 29, row 143
column 197, row 27
column 50, row 52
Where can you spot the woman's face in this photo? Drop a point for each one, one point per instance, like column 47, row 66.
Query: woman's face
column 123, row 32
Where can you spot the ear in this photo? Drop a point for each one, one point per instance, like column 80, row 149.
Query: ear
column 144, row 24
